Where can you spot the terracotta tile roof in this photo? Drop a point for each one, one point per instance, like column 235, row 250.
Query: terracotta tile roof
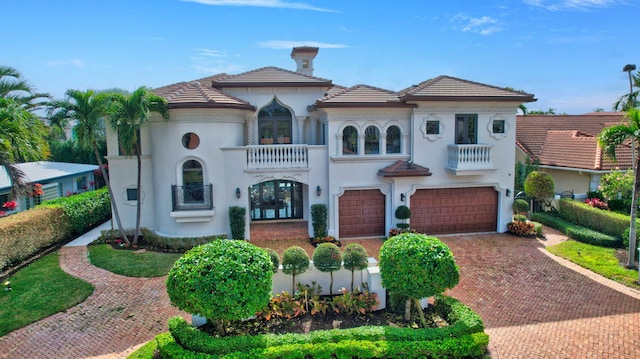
column 200, row 94
column 270, row 77
column 569, row 140
column 451, row 88
column 361, row 95
column 402, row 168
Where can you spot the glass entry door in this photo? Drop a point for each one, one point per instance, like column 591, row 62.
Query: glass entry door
column 277, row 199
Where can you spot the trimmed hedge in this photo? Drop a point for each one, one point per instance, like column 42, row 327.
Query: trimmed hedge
column 84, row 210
column 578, row 233
column 25, row 233
column 160, row 243
column 462, row 321
column 606, row 222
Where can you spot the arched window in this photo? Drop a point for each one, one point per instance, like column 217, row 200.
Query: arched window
column 371, row 141
column 193, row 181
column 349, row 141
column 393, row 139
column 274, row 122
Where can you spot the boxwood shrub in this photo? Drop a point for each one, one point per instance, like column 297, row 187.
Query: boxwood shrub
column 607, row 222
column 578, row 233
column 84, row 210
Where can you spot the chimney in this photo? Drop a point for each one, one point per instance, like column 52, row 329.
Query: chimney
column 304, row 55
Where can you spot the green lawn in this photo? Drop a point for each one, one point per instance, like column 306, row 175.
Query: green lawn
column 39, row 290
column 126, row 262
column 600, row 260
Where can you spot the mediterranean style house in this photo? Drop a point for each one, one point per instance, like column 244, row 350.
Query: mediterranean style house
column 277, row 142
column 567, row 149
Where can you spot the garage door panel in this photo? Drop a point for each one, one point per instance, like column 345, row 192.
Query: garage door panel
column 362, row 213
column 454, row 210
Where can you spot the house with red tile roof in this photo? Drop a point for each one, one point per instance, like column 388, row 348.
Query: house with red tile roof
column 567, row 148
column 277, row 141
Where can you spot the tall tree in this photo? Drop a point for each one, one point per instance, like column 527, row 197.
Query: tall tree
column 127, row 115
column 88, row 109
column 629, row 100
column 22, row 139
column 609, row 139
column 12, row 85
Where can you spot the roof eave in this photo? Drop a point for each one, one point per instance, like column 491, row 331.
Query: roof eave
column 220, row 85
column 364, row 104
column 469, row 98
column 182, row 105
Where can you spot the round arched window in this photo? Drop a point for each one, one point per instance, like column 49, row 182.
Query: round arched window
column 190, row 140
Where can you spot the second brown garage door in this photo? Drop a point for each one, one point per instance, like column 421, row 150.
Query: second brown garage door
column 361, row 213
column 454, row 210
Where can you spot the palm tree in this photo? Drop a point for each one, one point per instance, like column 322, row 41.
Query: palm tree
column 629, row 100
column 609, row 139
column 127, row 115
column 13, row 86
column 88, row 109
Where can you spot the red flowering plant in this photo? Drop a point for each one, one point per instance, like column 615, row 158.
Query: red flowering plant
column 10, row 205
column 36, row 190
column 597, row 203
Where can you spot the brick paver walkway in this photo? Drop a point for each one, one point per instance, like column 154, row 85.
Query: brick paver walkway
column 116, row 319
column 533, row 304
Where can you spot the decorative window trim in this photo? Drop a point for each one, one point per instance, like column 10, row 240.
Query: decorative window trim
column 498, row 136
column 126, row 198
column 441, row 128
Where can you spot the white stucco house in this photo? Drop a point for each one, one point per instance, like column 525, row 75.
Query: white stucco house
column 277, row 142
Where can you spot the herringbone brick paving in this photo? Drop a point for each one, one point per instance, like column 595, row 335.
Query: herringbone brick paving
column 533, row 305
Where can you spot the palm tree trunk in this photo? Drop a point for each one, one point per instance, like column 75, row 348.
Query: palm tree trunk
column 633, row 213
column 138, row 193
column 111, row 196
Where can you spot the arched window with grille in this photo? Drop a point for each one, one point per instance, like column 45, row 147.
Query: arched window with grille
column 275, row 123
column 350, row 141
column 372, row 141
column 394, row 139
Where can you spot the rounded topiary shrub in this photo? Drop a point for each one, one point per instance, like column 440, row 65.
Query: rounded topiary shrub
column 295, row 260
column 403, row 213
column 355, row 257
column 327, row 258
column 221, row 281
column 417, row 266
column 520, row 206
column 540, row 186
column 275, row 258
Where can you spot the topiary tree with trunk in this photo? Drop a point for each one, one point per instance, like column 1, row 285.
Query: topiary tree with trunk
column 355, row 257
column 540, row 186
column 416, row 266
column 295, row 261
column 327, row 258
column 403, row 213
column 275, row 258
column 222, row 280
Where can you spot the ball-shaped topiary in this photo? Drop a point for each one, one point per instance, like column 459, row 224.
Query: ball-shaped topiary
column 327, row 258
column 355, row 257
column 520, row 206
column 540, row 186
column 417, row 266
column 222, row 280
column 295, row 260
column 275, row 258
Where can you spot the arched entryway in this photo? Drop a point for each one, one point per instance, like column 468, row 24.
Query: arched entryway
column 276, row 200
column 275, row 123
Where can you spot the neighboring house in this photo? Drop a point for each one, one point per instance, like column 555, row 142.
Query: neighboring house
column 567, row 148
column 277, row 142
column 56, row 178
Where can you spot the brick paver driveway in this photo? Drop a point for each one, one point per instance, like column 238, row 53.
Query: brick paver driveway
column 534, row 306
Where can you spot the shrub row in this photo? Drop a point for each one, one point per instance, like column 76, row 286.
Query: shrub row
column 84, row 210
column 466, row 346
column 606, row 222
column 578, row 233
column 25, row 233
column 160, row 243
column 462, row 321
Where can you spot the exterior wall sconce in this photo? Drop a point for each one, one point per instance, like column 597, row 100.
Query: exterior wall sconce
column 318, row 191
column 402, row 197
column 238, row 192
column 508, row 192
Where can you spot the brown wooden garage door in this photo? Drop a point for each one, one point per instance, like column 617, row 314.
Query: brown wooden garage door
column 361, row 213
column 454, row 210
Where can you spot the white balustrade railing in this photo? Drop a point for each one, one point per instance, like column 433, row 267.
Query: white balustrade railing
column 470, row 157
column 277, row 156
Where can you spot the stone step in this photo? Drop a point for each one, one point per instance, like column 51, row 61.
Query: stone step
column 279, row 230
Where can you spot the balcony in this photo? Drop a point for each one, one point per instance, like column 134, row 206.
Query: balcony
column 467, row 160
column 192, row 197
column 277, row 157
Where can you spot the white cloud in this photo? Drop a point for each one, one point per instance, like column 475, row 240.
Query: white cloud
column 284, row 44
column 261, row 3
column 212, row 61
column 484, row 25
column 558, row 5
column 73, row 62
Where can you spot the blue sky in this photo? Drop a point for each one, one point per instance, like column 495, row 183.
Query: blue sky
column 569, row 53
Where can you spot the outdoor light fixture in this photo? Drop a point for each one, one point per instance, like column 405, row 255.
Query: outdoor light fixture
column 401, row 197
column 318, row 191
column 508, row 192
column 238, row 192
column 7, row 285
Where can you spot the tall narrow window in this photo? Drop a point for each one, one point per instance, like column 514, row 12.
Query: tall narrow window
column 371, row 141
column 466, row 129
column 275, row 124
column 393, row 139
column 349, row 141
column 193, row 181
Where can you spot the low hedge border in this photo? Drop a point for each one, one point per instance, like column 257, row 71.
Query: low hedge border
column 466, row 346
column 462, row 321
column 582, row 214
column 577, row 232
column 160, row 243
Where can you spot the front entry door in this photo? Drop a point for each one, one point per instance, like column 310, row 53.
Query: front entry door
column 277, row 199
